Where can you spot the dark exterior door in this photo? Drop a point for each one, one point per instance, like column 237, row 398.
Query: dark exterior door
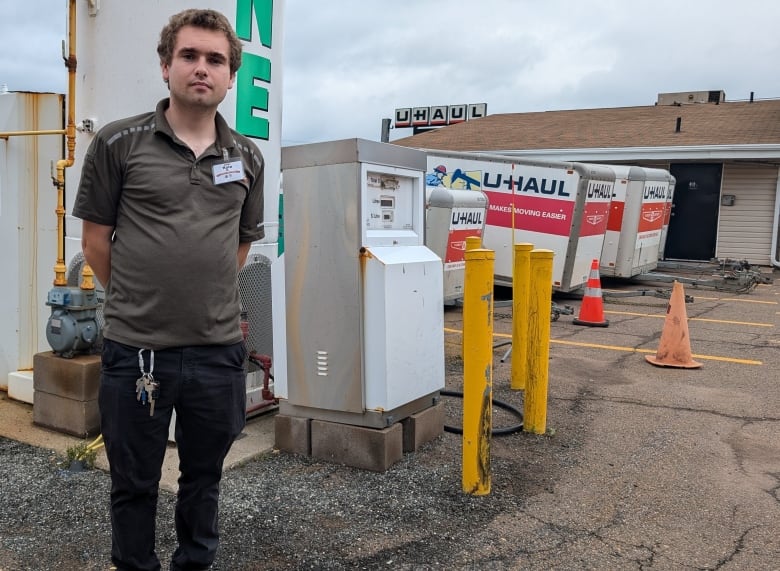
column 693, row 227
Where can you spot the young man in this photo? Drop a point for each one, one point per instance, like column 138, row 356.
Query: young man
column 170, row 202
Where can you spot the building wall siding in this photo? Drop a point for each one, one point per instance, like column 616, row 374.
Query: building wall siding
column 745, row 229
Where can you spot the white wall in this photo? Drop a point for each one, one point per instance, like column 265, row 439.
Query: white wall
column 745, row 229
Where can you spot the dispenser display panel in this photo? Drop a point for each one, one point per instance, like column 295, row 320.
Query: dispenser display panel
column 390, row 202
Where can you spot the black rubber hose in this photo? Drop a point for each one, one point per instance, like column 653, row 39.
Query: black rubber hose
column 496, row 431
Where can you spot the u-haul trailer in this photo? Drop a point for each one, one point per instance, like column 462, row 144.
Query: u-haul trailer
column 558, row 206
column 636, row 219
column 451, row 216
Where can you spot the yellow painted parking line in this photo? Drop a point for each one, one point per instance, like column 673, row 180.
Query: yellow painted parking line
column 748, row 300
column 742, row 299
column 626, row 349
column 663, row 315
column 632, row 350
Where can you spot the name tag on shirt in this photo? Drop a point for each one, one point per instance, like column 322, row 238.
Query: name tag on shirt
column 228, row 171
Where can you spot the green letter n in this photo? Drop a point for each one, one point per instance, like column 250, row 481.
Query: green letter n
column 264, row 14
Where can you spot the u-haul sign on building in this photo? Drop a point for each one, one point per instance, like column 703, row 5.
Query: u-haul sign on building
column 438, row 115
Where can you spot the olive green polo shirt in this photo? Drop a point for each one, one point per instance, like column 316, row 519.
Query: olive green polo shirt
column 174, row 265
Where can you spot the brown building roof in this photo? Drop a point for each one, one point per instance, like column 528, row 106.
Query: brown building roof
column 701, row 124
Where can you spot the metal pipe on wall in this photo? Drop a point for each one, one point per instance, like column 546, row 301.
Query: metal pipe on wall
column 6, row 134
column 59, row 267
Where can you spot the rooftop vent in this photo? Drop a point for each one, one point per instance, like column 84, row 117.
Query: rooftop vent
column 685, row 97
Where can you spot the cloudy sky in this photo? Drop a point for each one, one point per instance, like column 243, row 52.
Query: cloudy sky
column 349, row 63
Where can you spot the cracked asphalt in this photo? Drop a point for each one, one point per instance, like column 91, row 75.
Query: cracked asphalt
column 642, row 468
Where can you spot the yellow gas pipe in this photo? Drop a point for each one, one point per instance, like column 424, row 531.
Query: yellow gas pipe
column 62, row 164
column 6, row 134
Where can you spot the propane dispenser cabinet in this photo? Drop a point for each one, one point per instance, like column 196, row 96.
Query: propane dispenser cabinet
column 365, row 308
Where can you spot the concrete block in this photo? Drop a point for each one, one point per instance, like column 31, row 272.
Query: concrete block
column 77, row 378
column 79, row 418
column 20, row 386
column 357, row 446
column 66, row 392
column 292, row 434
column 423, row 427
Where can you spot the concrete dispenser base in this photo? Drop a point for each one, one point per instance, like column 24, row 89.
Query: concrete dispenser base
column 66, row 392
column 358, row 446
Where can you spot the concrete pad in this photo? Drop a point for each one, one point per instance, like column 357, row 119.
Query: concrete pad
column 357, row 446
column 16, row 423
column 292, row 434
column 423, row 427
column 20, row 386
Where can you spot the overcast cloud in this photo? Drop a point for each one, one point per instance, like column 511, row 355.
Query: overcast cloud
column 349, row 63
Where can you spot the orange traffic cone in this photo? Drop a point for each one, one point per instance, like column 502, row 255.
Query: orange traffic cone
column 592, row 308
column 674, row 349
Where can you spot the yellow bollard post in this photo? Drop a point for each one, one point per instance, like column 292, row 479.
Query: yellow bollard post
column 477, row 371
column 521, row 285
column 472, row 243
column 540, row 298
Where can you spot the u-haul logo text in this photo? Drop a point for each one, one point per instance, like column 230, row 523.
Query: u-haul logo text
column 529, row 185
column 600, row 190
column 467, row 217
column 659, row 192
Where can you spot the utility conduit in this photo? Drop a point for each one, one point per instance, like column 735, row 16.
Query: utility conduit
column 70, row 136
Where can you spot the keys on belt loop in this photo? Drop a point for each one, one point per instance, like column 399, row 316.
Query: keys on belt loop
column 146, row 388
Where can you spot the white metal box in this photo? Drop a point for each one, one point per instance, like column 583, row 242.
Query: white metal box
column 403, row 326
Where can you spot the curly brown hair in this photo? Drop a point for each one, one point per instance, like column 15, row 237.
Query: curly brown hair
column 206, row 19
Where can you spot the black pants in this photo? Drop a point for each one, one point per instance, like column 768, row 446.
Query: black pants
column 207, row 387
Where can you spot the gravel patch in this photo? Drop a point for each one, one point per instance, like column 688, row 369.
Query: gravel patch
column 277, row 512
